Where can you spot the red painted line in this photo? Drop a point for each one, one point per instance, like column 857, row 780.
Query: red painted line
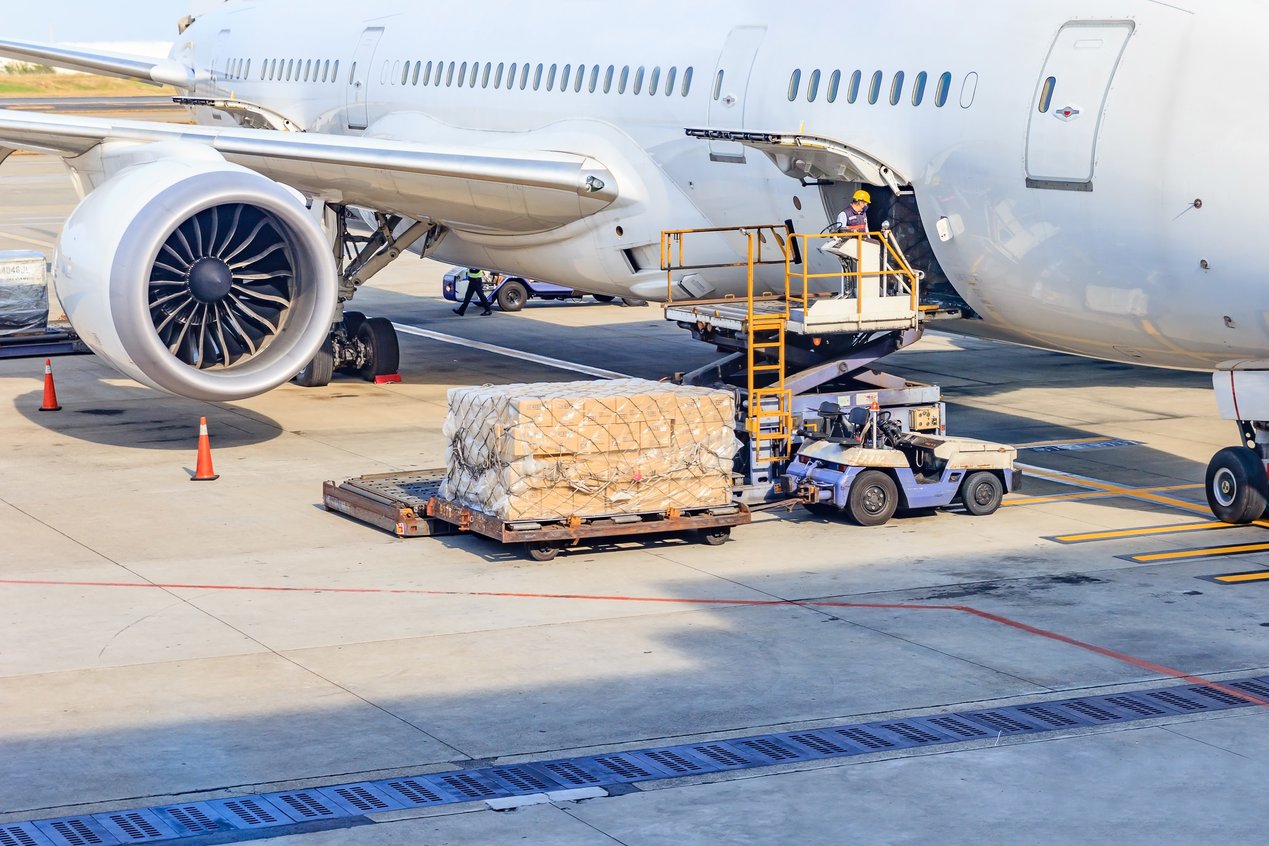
column 1139, row 663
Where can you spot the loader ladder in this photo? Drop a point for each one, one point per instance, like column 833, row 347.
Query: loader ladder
column 769, row 411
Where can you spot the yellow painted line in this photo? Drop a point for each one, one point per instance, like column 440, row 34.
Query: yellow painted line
column 1242, row 579
column 1094, row 484
column 1073, row 442
column 13, row 237
column 1077, row 497
column 1137, row 533
column 1210, row 552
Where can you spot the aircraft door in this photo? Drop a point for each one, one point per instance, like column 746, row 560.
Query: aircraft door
column 220, row 61
column 1070, row 99
column 730, row 87
column 359, row 78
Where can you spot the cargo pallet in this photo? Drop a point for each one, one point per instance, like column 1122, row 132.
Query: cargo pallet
column 410, row 505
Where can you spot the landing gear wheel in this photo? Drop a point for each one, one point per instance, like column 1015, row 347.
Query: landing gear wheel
column 1237, row 489
column 318, row 372
column 352, row 322
column 715, row 537
column 982, row 493
column 383, row 354
column 873, row 498
column 821, row 509
column 543, row 550
column 512, row 296
column 603, row 298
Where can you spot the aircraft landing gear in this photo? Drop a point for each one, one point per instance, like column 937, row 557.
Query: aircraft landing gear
column 357, row 344
column 1237, row 480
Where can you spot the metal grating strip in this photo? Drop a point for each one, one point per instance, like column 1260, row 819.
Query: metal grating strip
column 76, row 831
column 306, row 805
column 520, row 779
column 141, row 826
column 362, row 798
column 415, row 793
column 342, row 802
column 250, row 812
column 22, row 835
column 195, row 818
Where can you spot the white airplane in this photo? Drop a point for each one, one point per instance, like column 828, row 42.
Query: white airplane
column 1085, row 171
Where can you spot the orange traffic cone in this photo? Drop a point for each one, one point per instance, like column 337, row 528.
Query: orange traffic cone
column 204, row 472
column 50, row 392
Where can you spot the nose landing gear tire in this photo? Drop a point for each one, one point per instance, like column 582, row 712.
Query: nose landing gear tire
column 1237, row 489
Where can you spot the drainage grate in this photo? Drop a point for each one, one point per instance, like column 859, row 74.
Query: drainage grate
column 76, row 831
column 349, row 801
column 21, row 835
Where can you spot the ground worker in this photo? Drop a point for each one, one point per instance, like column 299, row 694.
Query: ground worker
column 475, row 288
column 854, row 218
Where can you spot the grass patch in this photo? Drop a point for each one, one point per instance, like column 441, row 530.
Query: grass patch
column 76, row 85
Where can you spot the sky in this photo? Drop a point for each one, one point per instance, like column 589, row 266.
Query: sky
column 92, row 20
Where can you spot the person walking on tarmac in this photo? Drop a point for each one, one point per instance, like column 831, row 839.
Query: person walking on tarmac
column 854, row 218
column 475, row 288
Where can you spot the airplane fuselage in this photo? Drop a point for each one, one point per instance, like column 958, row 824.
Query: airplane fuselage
column 1108, row 213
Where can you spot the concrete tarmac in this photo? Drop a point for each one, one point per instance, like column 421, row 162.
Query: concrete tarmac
column 163, row 639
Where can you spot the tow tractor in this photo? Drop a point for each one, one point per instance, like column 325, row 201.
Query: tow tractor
column 862, row 464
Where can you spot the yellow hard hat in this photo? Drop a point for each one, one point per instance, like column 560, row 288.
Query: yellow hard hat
column 863, row 196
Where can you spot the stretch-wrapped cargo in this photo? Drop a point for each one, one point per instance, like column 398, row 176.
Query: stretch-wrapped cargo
column 588, row 449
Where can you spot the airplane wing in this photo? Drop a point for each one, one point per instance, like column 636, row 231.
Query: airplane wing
column 480, row 189
column 154, row 71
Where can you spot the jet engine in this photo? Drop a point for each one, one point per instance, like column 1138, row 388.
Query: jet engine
column 198, row 277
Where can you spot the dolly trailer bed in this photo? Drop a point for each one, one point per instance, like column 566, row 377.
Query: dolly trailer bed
column 410, row 505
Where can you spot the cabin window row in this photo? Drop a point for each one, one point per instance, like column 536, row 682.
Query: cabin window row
column 285, row 70
column 592, row 78
column 872, row 88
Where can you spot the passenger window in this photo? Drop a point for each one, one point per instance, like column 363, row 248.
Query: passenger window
column 550, row 78
column 638, row 84
column 896, row 89
column 594, row 78
column 308, row 71
column 968, row 89
column 941, row 92
column 852, row 90
column 475, row 71
column 537, row 77
column 524, row 76
column 874, row 88
column 669, row 81
column 449, row 75
column 290, row 69
column 608, row 78
column 580, row 80
column 502, row 69
column 511, row 76
column 1046, row 94
column 795, row 81
column 246, row 71
column 718, row 84
column 462, row 74
column 564, row 77
column 654, row 83
column 834, row 85
column 813, row 86
column 484, row 78
column 687, row 81
column 427, row 74
column 326, row 71
column 334, row 71
column 918, row 88
column 405, row 73
column 625, row 78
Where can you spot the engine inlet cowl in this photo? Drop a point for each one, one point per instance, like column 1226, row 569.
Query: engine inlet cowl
column 198, row 277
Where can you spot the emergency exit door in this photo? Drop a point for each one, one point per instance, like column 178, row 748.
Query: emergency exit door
column 1066, row 116
column 359, row 78
column 731, row 87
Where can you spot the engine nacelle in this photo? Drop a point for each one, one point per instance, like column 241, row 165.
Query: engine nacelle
column 198, row 277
